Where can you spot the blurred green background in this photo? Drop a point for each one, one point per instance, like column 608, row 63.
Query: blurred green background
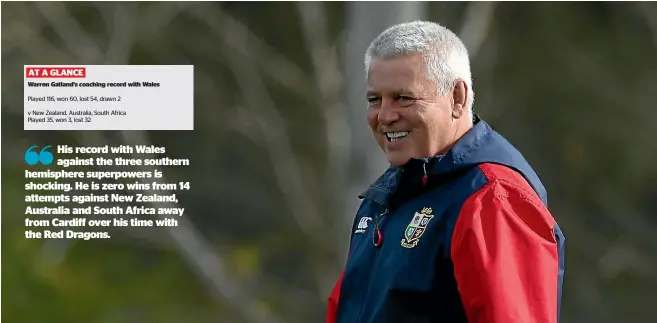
column 281, row 149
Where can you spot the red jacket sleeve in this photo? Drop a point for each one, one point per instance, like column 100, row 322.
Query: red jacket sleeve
column 505, row 256
column 332, row 311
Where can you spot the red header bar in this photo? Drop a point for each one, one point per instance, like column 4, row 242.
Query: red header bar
column 55, row 72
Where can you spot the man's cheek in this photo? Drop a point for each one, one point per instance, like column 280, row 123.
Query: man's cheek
column 380, row 140
column 372, row 117
column 412, row 145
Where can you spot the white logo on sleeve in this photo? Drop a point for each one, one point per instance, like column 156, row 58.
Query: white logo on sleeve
column 362, row 224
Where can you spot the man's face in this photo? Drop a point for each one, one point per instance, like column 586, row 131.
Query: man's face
column 406, row 114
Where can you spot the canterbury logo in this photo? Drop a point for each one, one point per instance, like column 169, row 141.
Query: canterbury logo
column 362, row 224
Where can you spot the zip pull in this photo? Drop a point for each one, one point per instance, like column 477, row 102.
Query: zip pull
column 377, row 235
column 425, row 177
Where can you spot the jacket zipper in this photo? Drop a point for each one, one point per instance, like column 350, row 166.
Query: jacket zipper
column 378, row 222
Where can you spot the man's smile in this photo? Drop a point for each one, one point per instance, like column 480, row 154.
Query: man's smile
column 396, row 136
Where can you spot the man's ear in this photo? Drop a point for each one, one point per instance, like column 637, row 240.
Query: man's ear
column 459, row 99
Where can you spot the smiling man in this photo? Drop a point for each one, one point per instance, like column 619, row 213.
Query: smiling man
column 457, row 229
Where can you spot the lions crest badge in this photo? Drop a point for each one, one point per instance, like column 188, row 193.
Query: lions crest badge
column 416, row 228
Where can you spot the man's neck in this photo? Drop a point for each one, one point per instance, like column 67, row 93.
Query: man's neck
column 461, row 127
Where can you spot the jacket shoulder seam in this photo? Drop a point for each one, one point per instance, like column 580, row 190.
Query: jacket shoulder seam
column 525, row 192
column 529, row 196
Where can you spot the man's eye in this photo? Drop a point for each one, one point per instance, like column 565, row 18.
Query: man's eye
column 372, row 99
column 405, row 98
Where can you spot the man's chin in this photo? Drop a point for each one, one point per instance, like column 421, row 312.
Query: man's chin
column 397, row 159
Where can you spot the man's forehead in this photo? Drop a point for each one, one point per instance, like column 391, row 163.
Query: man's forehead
column 396, row 86
column 393, row 90
column 397, row 75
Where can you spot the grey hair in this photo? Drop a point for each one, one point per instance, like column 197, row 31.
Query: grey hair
column 445, row 55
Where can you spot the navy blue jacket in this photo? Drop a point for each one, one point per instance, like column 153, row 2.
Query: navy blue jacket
column 461, row 237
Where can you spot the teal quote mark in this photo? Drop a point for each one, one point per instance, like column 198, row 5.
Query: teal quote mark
column 43, row 156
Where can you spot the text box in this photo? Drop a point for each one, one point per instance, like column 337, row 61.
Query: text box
column 109, row 97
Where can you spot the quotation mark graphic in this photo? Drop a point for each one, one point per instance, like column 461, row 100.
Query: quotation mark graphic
column 43, row 156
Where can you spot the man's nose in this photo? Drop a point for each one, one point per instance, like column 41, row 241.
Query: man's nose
column 387, row 114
